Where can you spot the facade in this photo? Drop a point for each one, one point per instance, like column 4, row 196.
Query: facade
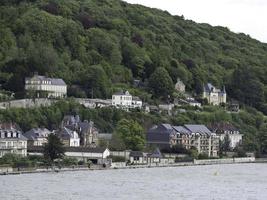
column 126, row 101
column 68, row 137
column 12, row 140
column 137, row 158
column 49, row 87
column 213, row 95
column 86, row 130
column 193, row 102
column 37, row 136
column 223, row 129
column 180, row 86
column 197, row 136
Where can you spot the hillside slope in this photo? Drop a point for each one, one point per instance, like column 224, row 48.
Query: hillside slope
column 93, row 43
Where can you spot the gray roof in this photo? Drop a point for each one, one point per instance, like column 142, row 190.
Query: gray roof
column 156, row 154
column 35, row 133
column 181, row 129
column 65, row 133
column 209, row 87
column 54, row 81
column 105, row 136
column 121, row 93
column 202, row 129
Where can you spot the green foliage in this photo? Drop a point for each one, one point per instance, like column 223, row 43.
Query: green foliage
column 53, row 149
column 117, row 158
column 131, row 133
column 161, row 83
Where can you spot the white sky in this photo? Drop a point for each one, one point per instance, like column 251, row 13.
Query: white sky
column 247, row 16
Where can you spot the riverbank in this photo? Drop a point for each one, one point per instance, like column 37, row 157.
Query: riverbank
column 114, row 166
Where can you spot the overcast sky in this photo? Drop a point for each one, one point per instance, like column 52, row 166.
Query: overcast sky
column 247, row 16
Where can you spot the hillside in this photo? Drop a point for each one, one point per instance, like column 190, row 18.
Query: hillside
column 102, row 45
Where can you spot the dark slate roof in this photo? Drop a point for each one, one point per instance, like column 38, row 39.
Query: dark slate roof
column 208, row 88
column 202, row 129
column 136, row 154
column 35, row 133
column 222, row 126
column 121, row 93
column 65, row 133
column 156, row 154
column 181, row 129
column 54, row 81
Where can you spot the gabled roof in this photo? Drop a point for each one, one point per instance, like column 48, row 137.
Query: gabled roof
column 35, row 133
column 181, row 129
column 222, row 126
column 122, row 93
column 202, row 129
column 65, row 133
column 54, row 81
column 155, row 154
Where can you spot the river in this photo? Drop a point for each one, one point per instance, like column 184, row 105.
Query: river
column 235, row 181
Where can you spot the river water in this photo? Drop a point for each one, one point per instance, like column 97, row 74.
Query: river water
column 237, row 181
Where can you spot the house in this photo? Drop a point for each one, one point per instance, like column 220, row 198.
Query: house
column 37, row 136
column 180, row 86
column 86, row 130
column 97, row 155
column 223, row 129
column 46, row 87
column 154, row 157
column 193, row 102
column 137, row 157
column 12, row 140
column 126, row 101
column 213, row 95
column 68, row 137
column 197, row 136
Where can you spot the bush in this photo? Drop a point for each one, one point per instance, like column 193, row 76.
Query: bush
column 117, row 158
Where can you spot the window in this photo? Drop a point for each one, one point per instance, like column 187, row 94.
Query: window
column 136, row 158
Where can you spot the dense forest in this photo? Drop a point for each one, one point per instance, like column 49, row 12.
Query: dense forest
column 101, row 46
column 98, row 46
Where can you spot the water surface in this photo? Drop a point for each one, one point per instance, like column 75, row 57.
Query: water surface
column 237, row 181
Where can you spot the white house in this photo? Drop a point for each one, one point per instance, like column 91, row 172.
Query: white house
column 52, row 87
column 224, row 128
column 213, row 95
column 125, row 100
column 12, row 140
column 37, row 136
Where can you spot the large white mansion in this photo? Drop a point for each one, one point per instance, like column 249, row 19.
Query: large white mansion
column 53, row 87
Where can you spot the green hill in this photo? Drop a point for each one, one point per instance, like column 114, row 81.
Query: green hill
column 102, row 45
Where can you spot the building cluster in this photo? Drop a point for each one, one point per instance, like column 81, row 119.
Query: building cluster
column 204, row 140
column 80, row 138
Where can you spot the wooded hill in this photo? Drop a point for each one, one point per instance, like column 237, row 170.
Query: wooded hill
column 102, row 45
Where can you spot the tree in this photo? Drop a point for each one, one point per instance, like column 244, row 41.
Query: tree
column 53, row 149
column 225, row 144
column 161, row 83
column 131, row 133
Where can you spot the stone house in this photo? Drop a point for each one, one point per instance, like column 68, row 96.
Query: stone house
column 12, row 140
column 86, row 130
column 180, row 86
column 50, row 87
column 213, row 95
column 69, row 138
column 37, row 136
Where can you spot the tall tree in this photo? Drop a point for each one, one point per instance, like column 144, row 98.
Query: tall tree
column 161, row 83
column 53, row 149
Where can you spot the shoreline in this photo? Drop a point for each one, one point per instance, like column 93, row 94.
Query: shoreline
column 182, row 164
